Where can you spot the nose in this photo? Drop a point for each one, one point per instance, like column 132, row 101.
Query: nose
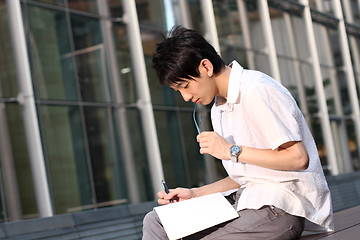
column 186, row 96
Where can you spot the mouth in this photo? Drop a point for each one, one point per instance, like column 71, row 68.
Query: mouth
column 197, row 101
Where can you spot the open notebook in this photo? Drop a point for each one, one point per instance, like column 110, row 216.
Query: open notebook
column 187, row 217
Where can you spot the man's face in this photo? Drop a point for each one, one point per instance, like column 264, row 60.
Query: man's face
column 200, row 90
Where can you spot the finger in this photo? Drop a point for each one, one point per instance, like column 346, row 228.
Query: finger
column 176, row 193
column 161, row 194
column 198, row 137
column 204, row 151
column 163, row 201
column 203, row 145
column 168, row 196
column 173, row 193
column 165, row 198
column 201, row 135
column 204, row 140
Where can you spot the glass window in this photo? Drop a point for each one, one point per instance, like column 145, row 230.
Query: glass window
column 331, row 62
column 126, row 91
column 66, row 155
column 292, row 51
column 323, row 6
column 320, row 143
column 195, row 161
column 91, row 70
column 2, row 210
column 152, row 21
column 280, row 24
column 357, row 68
column 86, row 31
column 21, row 160
column 105, row 162
column 354, row 151
column 8, row 81
column 10, row 195
column 151, row 13
column 54, row 2
column 229, row 32
column 313, row 121
column 145, row 187
column 197, row 18
column 261, row 59
column 90, row 59
column 53, row 63
column 115, row 8
column 306, row 70
column 84, row 5
column 355, row 8
column 171, row 145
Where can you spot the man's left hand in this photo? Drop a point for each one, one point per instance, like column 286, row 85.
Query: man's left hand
column 212, row 143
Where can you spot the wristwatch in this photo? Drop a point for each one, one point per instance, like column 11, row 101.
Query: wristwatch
column 235, row 151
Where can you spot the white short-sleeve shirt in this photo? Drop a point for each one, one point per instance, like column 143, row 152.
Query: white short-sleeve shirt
column 260, row 113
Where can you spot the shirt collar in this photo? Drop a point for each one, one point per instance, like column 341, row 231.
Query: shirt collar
column 233, row 88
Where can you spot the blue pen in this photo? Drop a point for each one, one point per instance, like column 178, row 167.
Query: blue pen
column 165, row 187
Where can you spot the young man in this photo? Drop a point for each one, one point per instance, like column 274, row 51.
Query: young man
column 261, row 137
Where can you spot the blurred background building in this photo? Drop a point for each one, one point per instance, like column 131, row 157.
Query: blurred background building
column 84, row 123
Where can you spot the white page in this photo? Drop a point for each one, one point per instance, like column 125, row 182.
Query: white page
column 187, row 217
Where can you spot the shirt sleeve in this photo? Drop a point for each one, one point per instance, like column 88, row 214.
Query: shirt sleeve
column 273, row 115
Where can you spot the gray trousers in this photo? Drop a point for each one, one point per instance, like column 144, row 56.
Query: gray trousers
column 265, row 223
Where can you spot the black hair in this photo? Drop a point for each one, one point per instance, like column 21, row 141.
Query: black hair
column 178, row 57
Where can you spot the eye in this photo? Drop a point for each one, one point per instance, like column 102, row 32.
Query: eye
column 187, row 85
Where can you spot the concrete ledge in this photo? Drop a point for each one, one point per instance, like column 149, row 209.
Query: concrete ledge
column 345, row 190
column 37, row 225
column 125, row 222
column 120, row 222
column 347, row 226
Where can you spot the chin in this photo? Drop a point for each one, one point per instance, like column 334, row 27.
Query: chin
column 207, row 102
column 211, row 102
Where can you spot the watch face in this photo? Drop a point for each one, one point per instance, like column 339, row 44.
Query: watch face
column 235, row 149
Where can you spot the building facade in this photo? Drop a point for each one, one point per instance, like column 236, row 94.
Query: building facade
column 84, row 123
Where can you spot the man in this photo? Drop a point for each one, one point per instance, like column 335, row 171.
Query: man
column 261, row 137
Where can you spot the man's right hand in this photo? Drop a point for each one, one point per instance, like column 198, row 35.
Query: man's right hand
column 177, row 195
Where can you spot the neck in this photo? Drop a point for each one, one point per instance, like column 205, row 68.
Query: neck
column 222, row 82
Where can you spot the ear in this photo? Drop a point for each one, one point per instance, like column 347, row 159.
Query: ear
column 206, row 67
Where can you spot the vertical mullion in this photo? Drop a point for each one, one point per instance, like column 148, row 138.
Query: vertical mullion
column 296, row 65
column 210, row 24
column 185, row 14
column 27, row 100
column 269, row 38
column 244, row 21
